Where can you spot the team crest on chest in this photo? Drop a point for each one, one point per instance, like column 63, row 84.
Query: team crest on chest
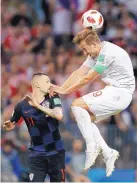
column 46, row 104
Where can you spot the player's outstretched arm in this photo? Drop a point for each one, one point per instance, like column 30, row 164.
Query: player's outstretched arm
column 91, row 76
column 101, row 65
column 75, row 76
column 16, row 115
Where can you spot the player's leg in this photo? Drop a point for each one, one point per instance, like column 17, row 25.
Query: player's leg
column 56, row 167
column 37, row 169
column 82, row 116
column 94, row 134
column 103, row 104
column 95, row 131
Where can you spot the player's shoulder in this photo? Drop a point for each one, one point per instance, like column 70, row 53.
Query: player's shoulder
column 19, row 105
column 52, row 98
column 109, row 48
column 106, row 45
column 48, row 97
column 56, row 96
column 21, row 102
column 56, row 100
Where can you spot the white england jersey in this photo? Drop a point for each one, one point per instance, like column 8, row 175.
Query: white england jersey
column 114, row 65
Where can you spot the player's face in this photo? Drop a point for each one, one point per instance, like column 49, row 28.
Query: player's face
column 44, row 83
column 89, row 50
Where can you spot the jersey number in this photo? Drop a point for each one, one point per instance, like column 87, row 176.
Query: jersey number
column 30, row 121
column 98, row 93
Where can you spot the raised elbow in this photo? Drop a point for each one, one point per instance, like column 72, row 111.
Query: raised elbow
column 58, row 114
column 59, row 117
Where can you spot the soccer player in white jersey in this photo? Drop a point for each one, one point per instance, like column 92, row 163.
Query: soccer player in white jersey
column 113, row 65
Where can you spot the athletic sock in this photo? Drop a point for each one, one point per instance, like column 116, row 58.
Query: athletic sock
column 106, row 150
column 84, row 124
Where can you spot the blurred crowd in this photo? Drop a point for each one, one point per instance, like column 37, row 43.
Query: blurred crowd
column 37, row 37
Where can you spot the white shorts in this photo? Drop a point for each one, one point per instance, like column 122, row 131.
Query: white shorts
column 107, row 102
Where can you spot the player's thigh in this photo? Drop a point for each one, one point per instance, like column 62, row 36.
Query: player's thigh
column 106, row 102
column 79, row 102
column 37, row 169
column 56, row 167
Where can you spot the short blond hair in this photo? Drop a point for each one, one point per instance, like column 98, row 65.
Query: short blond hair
column 88, row 35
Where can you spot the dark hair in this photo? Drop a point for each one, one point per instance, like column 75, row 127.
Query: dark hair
column 39, row 74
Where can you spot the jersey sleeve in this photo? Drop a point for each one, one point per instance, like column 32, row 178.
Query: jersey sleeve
column 103, row 62
column 56, row 102
column 89, row 62
column 17, row 113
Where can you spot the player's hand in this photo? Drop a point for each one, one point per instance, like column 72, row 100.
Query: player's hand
column 8, row 125
column 51, row 92
column 57, row 89
column 32, row 100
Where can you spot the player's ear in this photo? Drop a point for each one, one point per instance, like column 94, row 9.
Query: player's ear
column 37, row 84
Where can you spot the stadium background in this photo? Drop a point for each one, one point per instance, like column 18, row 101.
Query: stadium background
column 36, row 36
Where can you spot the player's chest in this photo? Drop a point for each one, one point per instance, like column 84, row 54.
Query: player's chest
column 30, row 111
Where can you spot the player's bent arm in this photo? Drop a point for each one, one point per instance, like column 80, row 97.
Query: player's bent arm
column 75, row 76
column 56, row 113
column 91, row 76
column 16, row 115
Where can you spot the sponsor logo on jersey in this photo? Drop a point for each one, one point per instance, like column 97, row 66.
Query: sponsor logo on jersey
column 28, row 111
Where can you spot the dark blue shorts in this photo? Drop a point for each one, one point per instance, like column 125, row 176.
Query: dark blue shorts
column 41, row 166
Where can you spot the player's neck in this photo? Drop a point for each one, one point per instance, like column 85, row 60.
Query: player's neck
column 39, row 96
column 98, row 51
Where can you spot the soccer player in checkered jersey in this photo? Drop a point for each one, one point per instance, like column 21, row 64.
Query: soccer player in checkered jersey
column 42, row 114
column 113, row 65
